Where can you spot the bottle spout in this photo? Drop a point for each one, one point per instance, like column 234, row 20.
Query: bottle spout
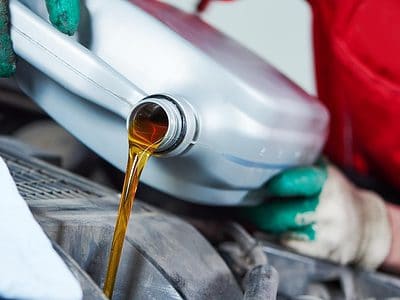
column 162, row 120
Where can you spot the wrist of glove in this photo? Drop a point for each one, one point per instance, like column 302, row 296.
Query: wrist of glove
column 318, row 212
column 63, row 14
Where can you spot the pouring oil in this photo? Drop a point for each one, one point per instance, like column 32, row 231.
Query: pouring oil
column 146, row 129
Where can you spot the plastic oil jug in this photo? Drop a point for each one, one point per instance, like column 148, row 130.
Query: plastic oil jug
column 233, row 119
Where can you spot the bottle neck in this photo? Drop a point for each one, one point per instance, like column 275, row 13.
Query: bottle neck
column 179, row 116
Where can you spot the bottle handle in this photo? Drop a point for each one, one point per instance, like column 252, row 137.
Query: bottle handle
column 69, row 63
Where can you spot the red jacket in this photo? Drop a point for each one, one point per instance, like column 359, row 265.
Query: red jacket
column 357, row 58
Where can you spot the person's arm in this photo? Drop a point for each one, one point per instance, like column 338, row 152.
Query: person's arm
column 392, row 261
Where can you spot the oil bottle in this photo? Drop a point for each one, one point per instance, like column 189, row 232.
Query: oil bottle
column 234, row 112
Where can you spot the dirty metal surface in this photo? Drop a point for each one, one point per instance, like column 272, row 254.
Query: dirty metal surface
column 302, row 275
column 163, row 257
column 35, row 182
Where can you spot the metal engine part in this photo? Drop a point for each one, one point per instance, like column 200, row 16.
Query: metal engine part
column 163, row 257
column 303, row 276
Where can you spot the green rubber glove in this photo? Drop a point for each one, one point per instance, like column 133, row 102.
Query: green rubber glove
column 293, row 197
column 317, row 211
column 63, row 14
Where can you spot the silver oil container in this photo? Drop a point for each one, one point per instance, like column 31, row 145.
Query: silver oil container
column 241, row 121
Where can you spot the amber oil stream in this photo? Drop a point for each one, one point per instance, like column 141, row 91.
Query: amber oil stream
column 146, row 129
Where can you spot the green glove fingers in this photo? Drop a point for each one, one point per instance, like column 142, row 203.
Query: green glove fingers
column 297, row 182
column 291, row 212
column 64, row 15
column 7, row 56
column 282, row 215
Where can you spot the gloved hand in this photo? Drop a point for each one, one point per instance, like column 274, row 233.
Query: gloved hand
column 29, row 266
column 63, row 14
column 318, row 212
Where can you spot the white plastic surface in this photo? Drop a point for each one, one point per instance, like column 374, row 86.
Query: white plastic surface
column 30, row 267
column 69, row 63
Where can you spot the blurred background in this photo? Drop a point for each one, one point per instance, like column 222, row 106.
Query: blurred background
column 278, row 31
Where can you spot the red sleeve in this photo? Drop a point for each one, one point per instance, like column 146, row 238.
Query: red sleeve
column 358, row 78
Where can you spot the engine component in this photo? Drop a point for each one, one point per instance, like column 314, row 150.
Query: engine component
column 163, row 258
